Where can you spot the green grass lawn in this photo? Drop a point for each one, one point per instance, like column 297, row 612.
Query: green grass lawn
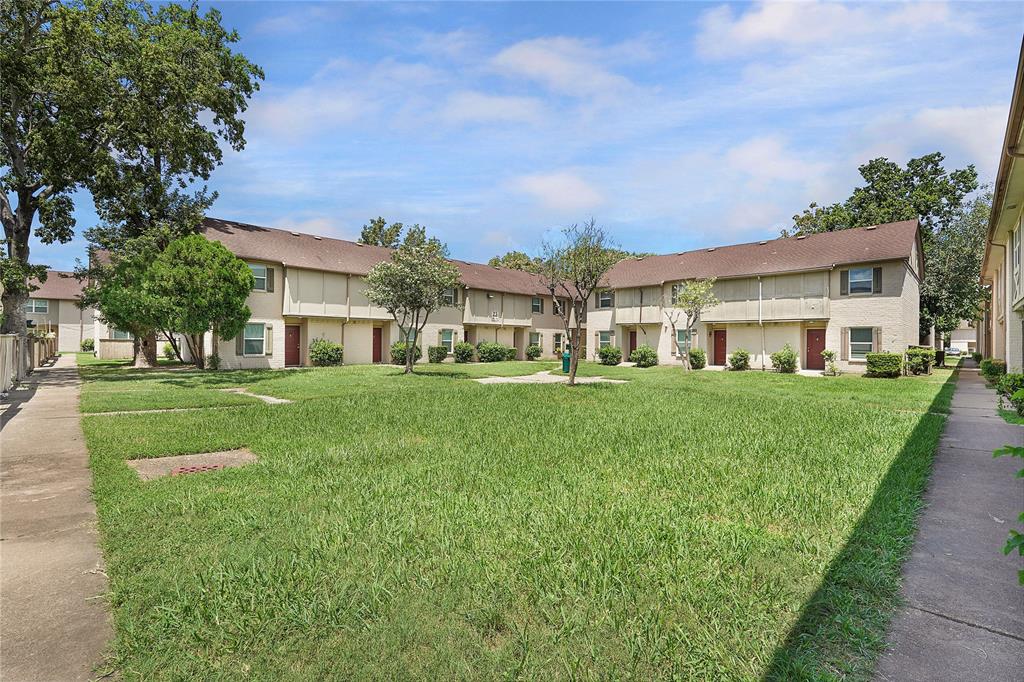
column 707, row 524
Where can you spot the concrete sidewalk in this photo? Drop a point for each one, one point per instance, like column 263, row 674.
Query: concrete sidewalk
column 54, row 622
column 963, row 617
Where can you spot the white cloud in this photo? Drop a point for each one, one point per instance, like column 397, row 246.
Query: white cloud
column 476, row 107
column 561, row 191
column 976, row 131
column 305, row 110
column 565, row 66
column 766, row 161
column 799, row 25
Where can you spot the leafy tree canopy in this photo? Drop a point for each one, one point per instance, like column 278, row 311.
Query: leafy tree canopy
column 378, row 233
column 518, row 260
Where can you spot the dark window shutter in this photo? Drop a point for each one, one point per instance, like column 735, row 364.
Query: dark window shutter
column 239, row 351
column 270, row 278
column 844, row 345
column 876, row 281
column 268, row 340
column 844, row 282
column 876, row 340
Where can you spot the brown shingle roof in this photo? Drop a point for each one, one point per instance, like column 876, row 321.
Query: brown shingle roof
column 299, row 250
column 58, row 285
column 892, row 241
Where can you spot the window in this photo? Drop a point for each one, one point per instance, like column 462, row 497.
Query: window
column 605, row 299
column 37, row 305
column 449, row 297
column 861, row 280
column 118, row 335
column 538, row 304
column 259, row 273
column 862, row 341
column 253, row 339
column 558, row 343
column 604, row 339
column 534, row 338
column 682, row 341
column 448, row 339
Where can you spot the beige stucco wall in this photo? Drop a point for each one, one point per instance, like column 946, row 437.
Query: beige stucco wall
column 70, row 323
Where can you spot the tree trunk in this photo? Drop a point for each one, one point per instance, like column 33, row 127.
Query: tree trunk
column 410, row 356
column 14, row 323
column 574, row 356
column 145, row 350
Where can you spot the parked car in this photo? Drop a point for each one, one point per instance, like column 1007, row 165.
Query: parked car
column 953, row 351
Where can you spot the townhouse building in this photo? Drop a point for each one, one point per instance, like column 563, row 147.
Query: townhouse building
column 854, row 291
column 55, row 307
column 1000, row 332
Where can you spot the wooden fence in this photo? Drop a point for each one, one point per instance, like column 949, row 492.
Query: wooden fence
column 18, row 358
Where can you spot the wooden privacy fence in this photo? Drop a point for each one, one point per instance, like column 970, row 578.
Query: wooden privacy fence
column 18, row 358
column 115, row 349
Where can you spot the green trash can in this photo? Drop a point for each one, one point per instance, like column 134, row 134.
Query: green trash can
column 565, row 361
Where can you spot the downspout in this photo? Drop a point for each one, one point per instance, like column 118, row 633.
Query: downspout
column 760, row 320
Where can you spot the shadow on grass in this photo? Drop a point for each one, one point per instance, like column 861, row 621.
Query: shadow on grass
column 841, row 628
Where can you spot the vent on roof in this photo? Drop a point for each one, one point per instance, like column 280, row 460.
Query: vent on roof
column 762, row 243
column 711, row 249
column 801, row 236
column 295, row 234
column 317, row 238
column 870, row 227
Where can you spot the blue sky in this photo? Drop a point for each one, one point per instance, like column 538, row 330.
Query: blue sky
column 674, row 125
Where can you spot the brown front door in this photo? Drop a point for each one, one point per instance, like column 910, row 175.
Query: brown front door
column 291, row 345
column 719, row 347
column 632, row 343
column 378, row 341
column 815, row 344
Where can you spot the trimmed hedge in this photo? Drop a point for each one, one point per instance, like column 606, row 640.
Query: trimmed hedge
column 1017, row 400
column 533, row 352
column 324, row 353
column 920, row 359
column 884, row 365
column 992, row 369
column 437, row 353
column 489, row 351
column 398, row 353
column 89, row 345
column 739, row 360
column 609, row 355
column 644, row 356
column 463, row 352
column 784, row 360
column 1009, row 384
column 698, row 358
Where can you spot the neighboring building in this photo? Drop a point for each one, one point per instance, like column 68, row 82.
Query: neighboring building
column 56, row 307
column 853, row 291
column 310, row 287
column 964, row 337
column 1001, row 332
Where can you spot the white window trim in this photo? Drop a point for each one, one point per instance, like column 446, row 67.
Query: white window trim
column 870, row 281
column 448, row 297
column 252, row 268
column 851, row 342
column 262, row 338
column 450, row 345
column 535, row 303
column 602, row 294
column 601, row 343
column 33, row 303
column 530, row 339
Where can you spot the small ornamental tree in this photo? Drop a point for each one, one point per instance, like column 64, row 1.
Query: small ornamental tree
column 688, row 302
column 575, row 267
column 412, row 285
column 200, row 286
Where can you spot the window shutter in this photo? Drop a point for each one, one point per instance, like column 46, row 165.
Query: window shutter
column 239, row 350
column 268, row 339
column 844, row 282
column 270, row 280
column 876, row 340
column 876, row 281
column 844, row 345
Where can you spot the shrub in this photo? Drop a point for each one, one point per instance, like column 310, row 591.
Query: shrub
column 533, row 352
column 784, row 360
column 1017, row 400
column 698, row 358
column 213, row 362
column 644, row 356
column 88, row 345
column 739, row 360
column 324, row 353
column 168, row 351
column 976, row 356
column 398, row 353
column 463, row 352
column 489, row 351
column 1009, row 384
column 884, row 365
column 920, row 359
column 610, row 355
column 992, row 369
column 831, row 368
column 437, row 353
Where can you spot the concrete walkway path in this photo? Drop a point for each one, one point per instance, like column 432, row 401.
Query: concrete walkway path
column 963, row 617
column 54, row 622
